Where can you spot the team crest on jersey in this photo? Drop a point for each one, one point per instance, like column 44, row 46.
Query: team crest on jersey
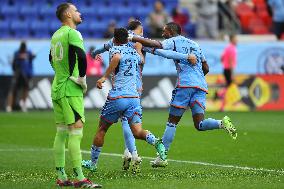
column 271, row 61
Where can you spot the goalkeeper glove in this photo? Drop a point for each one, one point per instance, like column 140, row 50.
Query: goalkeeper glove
column 80, row 81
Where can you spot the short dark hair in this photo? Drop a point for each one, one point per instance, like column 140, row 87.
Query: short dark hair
column 132, row 25
column 120, row 35
column 174, row 27
column 61, row 9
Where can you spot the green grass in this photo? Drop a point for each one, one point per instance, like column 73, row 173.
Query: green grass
column 26, row 159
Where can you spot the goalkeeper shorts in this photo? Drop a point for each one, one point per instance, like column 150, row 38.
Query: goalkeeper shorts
column 68, row 110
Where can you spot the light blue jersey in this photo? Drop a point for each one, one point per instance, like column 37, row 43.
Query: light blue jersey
column 188, row 75
column 139, row 83
column 124, row 78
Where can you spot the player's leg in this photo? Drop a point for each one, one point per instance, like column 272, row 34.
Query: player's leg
column 178, row 106
column 134, row 113
column 59, row 145
column 74, row 117
column 198, row 101
column 109, row 115
column 130, row 146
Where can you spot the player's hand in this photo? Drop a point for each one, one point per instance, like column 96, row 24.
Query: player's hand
column 192, row 59
column 80, row 81
column 100, row 82
column 94, row 53
column 130, row 36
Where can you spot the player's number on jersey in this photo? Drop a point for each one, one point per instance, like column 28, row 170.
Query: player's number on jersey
column 57, row 51
column 127, row 71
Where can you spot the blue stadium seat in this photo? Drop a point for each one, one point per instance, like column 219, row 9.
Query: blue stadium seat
column 143, row 11
column 20, row 28
column 40, row 29
column 87, row 11
column 29, row 11
column 55, row 25
column 190, row 29
column 47, row 10
column 8, row 10
column 5, row 29
column 106, row 11
column 124, row 11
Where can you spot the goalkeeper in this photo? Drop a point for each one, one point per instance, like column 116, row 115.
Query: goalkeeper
column 68, row 60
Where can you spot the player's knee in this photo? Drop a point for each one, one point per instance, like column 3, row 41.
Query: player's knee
column 78, row 124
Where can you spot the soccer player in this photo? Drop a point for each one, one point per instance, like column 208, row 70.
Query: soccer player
column 123, row 99
column 135, row 28
column 68, row 60
column 191, row 87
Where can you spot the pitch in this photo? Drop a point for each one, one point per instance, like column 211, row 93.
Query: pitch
column 208, row 159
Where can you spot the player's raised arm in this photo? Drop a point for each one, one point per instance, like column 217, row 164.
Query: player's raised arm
column 102, row 48
column 138, row 47
column 146, row 42
column 111, row 68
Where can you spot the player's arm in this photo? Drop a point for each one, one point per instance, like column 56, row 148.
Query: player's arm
column 76, row 50
column 205, row 67
column 173, row 55
column 138, row 47
column 146, row 42
column 111, row 68
column 101, row 49
column 50, row 59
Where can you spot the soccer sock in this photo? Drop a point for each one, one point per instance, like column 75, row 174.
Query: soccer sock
column 59, row 151
column 169, row 135
column 128, row 136
column 209, row 124
column 95, row 153
column 61, row 173
column 75, row 136
column 150, row 138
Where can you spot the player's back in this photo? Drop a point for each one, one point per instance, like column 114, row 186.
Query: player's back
column 60, row 43
column 124, row 77
column 189, row 75
column 139, row 83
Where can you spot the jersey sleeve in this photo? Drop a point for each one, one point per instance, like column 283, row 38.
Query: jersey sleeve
column 170, row 54
column 168, row 44
column 113, row 51
column 76, row 39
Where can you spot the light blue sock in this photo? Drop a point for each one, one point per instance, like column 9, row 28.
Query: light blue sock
column 150, row 138
column 95, row 153
column 129, row 139
column 169, row 135
column 209, row 124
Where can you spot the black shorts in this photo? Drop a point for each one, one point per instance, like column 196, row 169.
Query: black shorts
column 228, row 76
column 20, row 81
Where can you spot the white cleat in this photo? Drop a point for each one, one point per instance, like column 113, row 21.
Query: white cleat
column 126, row 160
column 158, row 162
column 135, row 164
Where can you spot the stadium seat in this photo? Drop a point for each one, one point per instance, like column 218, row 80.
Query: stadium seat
column 8, row 10
column 28, row 11
column 47, row 10
column 39, row 29
column 20, row 28
column 5, row 29
column 190, row 29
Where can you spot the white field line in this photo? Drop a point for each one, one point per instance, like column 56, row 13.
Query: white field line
column 152, row 158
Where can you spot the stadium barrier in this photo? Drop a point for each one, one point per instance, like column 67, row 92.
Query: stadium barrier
column 253, row 57
column 248, row 93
